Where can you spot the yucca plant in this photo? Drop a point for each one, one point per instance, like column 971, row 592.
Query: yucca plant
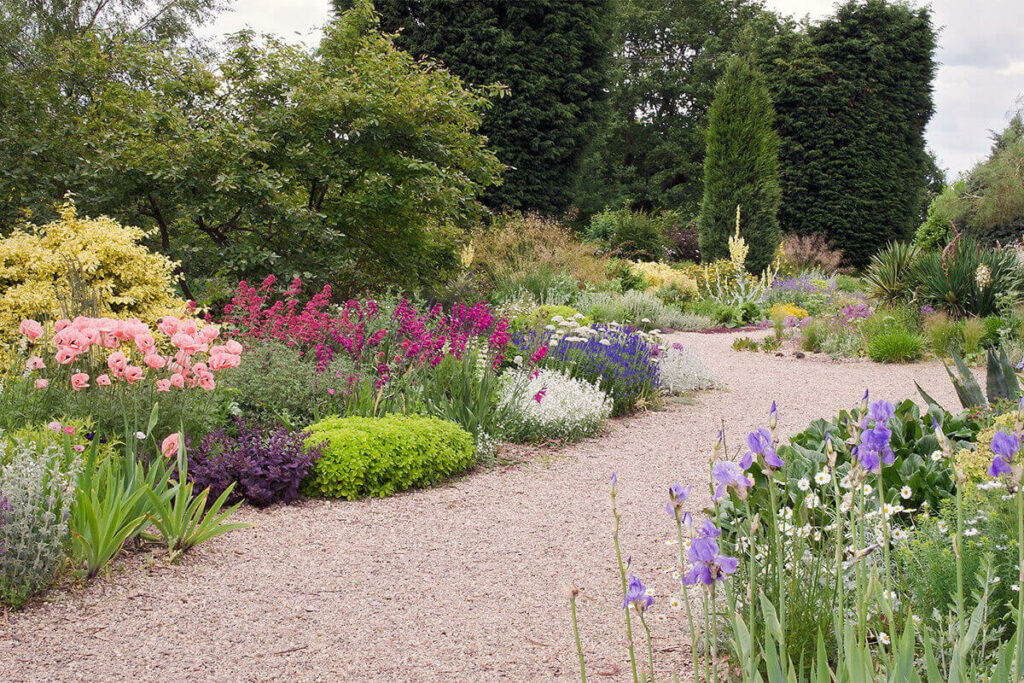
column 966, row 277
column 888, row 276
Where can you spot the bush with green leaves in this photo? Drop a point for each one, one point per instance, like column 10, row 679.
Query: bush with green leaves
column 633, row 235
column 380, row 456
column 968, row 278
column 37, row 491
column 889, row 274
column 549, row 404
column 890, row 337
column 641, row 309
column 276, row 383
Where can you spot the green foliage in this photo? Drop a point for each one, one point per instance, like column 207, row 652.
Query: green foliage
column 352, row 163
column 641, row 310
column 366, row 456
column 632, row 235
column 552, row 58
column 945, row 209
column 276, row 383
column 741, row 169
column 895, row 344
column 968, row 278
column 852, row 98
column 36, row 486
column 888, row 277
column 1001, row 382
column 669, row 56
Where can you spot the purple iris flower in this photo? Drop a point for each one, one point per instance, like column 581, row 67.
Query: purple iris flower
column 677, row 495
column 729, row 475
column 882, row 412
column 636, row 595
column 709, row 565
column 1005, row 446
column 874, row 448
column 760, row 442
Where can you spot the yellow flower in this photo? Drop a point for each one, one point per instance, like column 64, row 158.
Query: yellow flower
column 783, row 311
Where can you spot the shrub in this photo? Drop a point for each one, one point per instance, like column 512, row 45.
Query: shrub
column 38, row 488
column 682, row 241
column 682, row 371
column 549, row 404
column 888, row 276
column 638, row 236
column 276, row 383
column 55, row 270
column 641, row 309
column 379, row 456
column 972, row 331
column 659, row 275
column 943, row 334
column 811, row 252
column 895, row 344
column 968, row 278
column 266, row 464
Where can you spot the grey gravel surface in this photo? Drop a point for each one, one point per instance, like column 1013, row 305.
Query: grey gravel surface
column 464, row 582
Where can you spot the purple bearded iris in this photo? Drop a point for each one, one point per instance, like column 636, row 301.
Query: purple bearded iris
column 677, row 495
column 875, row 449
column 760, row 443
column 636, row 595
column 709, row 565
column 729, row 475
column 1004, row 446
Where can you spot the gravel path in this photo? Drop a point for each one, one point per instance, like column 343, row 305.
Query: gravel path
column 464, row 582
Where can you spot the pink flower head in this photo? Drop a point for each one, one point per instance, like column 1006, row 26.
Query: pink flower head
column 222, row 361
column 178, row 380
column 65, row 356
column 35, row 363
column 539, row 396
column 78, row 448
column 117, row 362
column 42, row 383
column 145, row 343
column 133, row 374
column 188, row 326
column 170, row 445
column 233, row 347
column 103, row 380
column 61, row 324
column 31, row 329
column 209, row 333
column 53, row 426
column 69, row 429
column 206, row 381
column 168, row 325
column 163, row 385
column 155, row 361
column 79, row 381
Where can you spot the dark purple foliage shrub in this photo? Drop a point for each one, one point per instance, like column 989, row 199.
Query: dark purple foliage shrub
column 267, row 464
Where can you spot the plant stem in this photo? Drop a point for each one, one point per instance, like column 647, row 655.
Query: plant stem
column 780, row 562
column 959, row 560
column 650, row 645
column 576, row 635
column 686, row 597
column 1020, row 590
column 622, row 576
column 885, row 533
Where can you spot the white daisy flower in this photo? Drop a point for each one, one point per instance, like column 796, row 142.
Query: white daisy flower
column 822, row 478
column 906, row 492
column 804, row 484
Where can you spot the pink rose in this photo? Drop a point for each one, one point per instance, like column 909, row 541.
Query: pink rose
column 170, row 445
column 31, row 329
column 155, row 361
column 42, row 383
column 163, row 385
column 35, row 363
column 117, row 362
column 79, row 381
column 133, row 374
column 178, row 380
column 103, row 380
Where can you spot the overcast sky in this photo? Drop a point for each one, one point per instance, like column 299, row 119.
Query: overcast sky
column 980, row 78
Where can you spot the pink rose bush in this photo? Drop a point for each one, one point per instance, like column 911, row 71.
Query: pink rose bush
column 104, row 352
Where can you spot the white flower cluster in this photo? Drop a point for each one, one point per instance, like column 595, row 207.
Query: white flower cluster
column 551, row 405
column 682, row 371
column 36, row 492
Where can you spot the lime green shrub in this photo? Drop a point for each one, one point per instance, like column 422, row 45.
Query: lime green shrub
column 380, row 456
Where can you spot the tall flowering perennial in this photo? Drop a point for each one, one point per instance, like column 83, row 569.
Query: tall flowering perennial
column 102, row 352
column 874, row 449
column 708, row 562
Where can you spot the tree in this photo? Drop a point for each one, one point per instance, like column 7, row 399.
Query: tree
column 741, row 168
column 668, row 56
column 550, row 54
column 352, row 163
column 852, row 97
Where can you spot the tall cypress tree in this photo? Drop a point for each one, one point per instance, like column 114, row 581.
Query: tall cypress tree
column 741, row 168
column 550, row 54
column 852, row 98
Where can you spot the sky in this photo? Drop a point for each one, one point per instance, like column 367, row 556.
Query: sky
column 980, row 79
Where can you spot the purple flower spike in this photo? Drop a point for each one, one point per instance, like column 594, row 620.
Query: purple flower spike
column 636, row 595
column 729, row 475
column 773, row 416
column 874, row 448
column 1005, row 445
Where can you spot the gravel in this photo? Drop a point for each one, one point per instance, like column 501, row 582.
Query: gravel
column 464, row 582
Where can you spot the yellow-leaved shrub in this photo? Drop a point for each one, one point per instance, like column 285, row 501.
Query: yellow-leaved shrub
column 659, row 275
column 42, row 267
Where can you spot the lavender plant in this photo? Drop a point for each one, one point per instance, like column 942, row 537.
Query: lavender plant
column 38, row 486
